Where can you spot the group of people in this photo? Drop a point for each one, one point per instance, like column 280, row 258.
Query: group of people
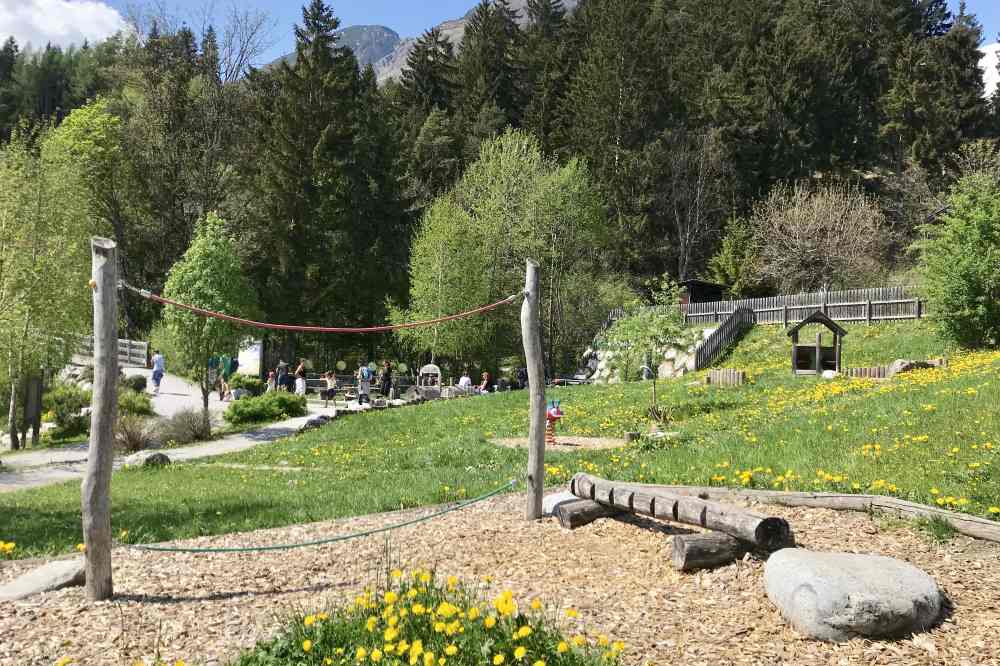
column 280, row 379
column 486, row 384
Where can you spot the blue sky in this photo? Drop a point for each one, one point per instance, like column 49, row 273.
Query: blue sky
column 70, row 21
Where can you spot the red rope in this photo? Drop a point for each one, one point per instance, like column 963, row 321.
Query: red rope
column 317, row 329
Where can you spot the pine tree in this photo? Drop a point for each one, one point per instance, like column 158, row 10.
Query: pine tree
column 210, row 55
column 545, row 69
column 428, row 81
column 488, row 68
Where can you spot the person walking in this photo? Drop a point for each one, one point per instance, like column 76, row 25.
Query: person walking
column 330, row 392
column 159, row 369
column 300, row 383
column 364, row 382
column 385, row 380
column 272, row 382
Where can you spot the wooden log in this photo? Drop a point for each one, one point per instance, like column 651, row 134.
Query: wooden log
column 763, row 532
column 532, row 339
column 576, row 514
column 691, row 552
column 96, row 489
column 974, row 526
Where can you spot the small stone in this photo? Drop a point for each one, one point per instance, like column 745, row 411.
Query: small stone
column 156, row 460
column 551, row 501
column 47, row 578
column 830, row 374
column 840, row 596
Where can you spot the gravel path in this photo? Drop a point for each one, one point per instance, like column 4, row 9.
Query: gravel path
column 206, row 608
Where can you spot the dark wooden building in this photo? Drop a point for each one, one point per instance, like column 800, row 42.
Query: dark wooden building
column 814, row 358
column 699, row 291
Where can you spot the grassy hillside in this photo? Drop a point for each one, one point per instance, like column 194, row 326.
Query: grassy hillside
column 932, row 436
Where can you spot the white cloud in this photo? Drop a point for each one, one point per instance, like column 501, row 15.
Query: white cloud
column 989, row 65
column 61, row 22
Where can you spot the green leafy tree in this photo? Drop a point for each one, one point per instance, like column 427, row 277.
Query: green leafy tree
column 45, row 226
column 510, row 204
column 208, row 276
column 734, row 264
column 960, row 262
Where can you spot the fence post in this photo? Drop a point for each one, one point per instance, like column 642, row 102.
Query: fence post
column 531, row 337
column 96, row 489
column 868, row 312
column 920, row 308
column 784, row 314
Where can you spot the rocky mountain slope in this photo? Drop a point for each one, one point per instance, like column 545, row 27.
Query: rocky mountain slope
column 370, row 43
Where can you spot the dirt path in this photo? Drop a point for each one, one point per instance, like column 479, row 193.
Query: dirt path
column 60, row 465
column 209, row 607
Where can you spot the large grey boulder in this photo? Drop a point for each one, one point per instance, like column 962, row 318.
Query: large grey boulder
column 840, row 596
column 901, row 365
column 47, row 578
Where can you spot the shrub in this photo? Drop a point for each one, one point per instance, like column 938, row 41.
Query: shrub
column 133, row 433
column 439, row 623
column 960, row 262
column 133, row 403
column 254, row 385
column 65, row 401
column 268, row 407
column 135, row 383
column 184, row 427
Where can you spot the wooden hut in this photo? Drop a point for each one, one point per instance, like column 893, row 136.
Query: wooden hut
column 814, row 358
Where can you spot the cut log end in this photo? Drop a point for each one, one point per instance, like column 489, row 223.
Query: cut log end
column 774, row 534
column 576, row 514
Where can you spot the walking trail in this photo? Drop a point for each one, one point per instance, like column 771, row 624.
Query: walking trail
column 32, row 469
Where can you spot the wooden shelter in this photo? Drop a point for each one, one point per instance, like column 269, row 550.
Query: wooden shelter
column 814, row 359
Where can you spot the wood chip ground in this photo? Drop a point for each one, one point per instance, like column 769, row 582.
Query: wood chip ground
column 207, row 608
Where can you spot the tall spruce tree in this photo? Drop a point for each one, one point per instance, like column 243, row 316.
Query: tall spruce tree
column 545, row 69
column 488, row 65
column 428, row 81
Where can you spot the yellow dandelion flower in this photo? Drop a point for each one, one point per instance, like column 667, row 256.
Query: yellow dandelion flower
column 376, row 655
column 572, row 613
column 474, row 613
column 391, row 597
column 371, row 624
column 490, row 622
column 451, row 650
column 390, row 634
column 524, row 632
column 452, row 581
column 498, row 659
column 439, row 627
column 396, row 573
column 994, row 509
column 536, row 604
column 579, row 640
column 429, row 659
column 64, row 661
column 361, row 654
column 307, row 645
column 562, row 648
column 520, row 652
column 602, row 640
column 617, row 646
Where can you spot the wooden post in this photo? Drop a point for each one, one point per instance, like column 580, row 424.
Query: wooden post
column 784, row 314
column 819, row 353
column 96, row 489
column 920, row 308
column 531, row 337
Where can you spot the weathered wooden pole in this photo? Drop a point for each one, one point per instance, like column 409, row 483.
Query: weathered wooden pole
column 531, row 336
column 96, row 490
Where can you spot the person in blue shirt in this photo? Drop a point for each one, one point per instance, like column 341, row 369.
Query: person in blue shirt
column 159, row 369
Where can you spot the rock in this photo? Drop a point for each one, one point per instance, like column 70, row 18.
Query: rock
column 904, row 365
column 47, row 578
column 830, row 374
column 315, row 422
column 839, row 596
column 156, row 460
column 553, row 500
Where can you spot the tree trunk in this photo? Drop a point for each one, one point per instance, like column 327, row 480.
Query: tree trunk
column 96, row 490
column 576, row 514
column 12, row 413
column 531, row 337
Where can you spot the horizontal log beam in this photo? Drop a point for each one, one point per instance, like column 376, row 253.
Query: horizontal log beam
column 974, row 526
column 582, row 512
column 763, row 532
column 690, row 552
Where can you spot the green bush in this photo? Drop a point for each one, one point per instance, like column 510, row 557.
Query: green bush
column 133, row 433
column 135, row 383
column 254, row 385
column 418, row 620
column 184, row 427
column 960, row 261
column 268, row 407
column 133, row 403
column 65, row 401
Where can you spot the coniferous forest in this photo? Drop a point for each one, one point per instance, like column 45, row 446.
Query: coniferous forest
column 619, row 142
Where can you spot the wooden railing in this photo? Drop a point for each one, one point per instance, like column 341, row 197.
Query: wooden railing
column 732, row 329
column 130, row 352
column 854, row 305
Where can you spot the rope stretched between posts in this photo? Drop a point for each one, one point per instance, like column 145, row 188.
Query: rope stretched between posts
column 322, row 542
column 315, row 329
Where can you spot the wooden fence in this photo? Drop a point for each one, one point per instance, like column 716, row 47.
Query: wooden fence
column 130, row 352
column 854, row 305
column 736, row 324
